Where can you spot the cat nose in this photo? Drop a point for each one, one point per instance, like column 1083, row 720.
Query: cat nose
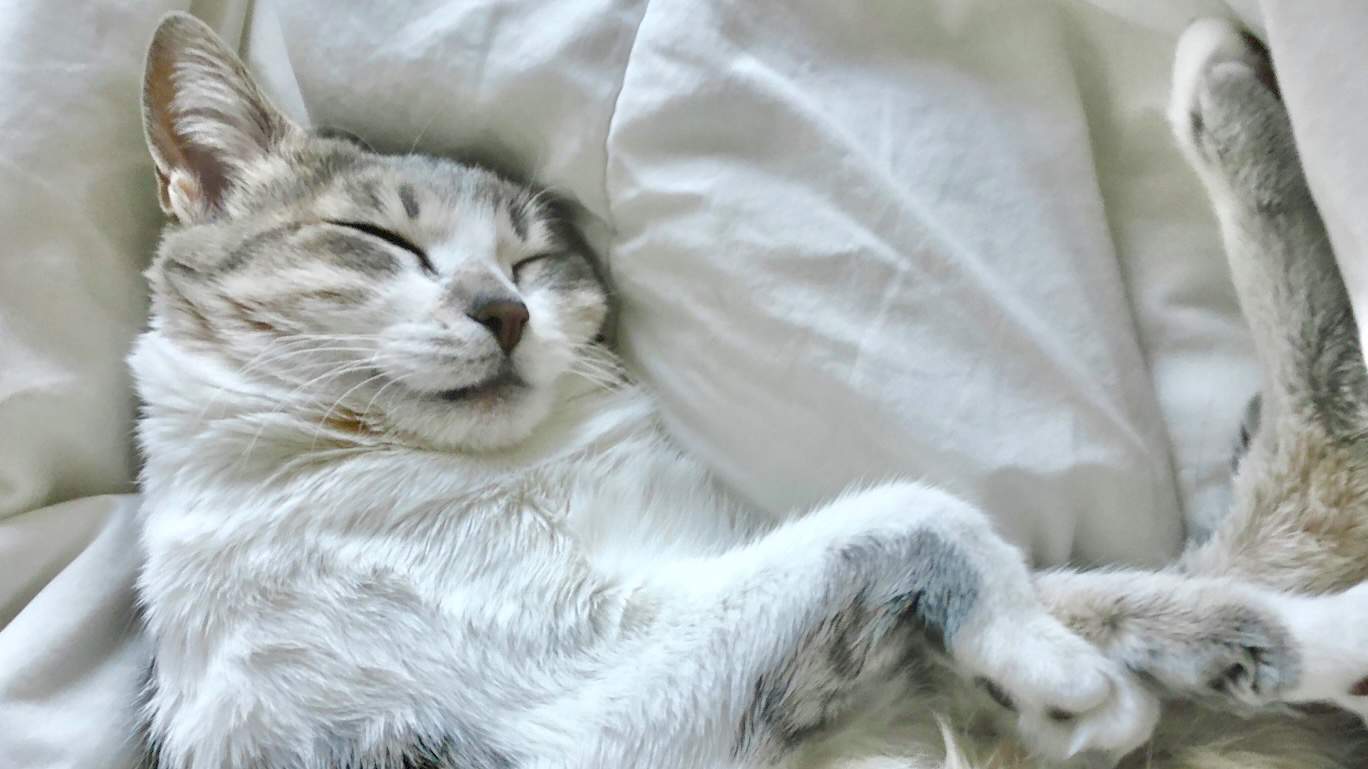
column 505, row 318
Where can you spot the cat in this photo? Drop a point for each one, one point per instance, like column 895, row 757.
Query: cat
column 403, row 508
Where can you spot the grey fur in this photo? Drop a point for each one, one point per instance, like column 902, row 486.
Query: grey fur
column 333, row 132
column 824, row 677
column 366, row 192
column 1311, row 440
column 866, row 639
column 1266, row 660
column 409, row 199
column 948, row 592
column 1249, row 427
column 1290, row 287
column 266, row 241
column 1191, row 638
column 518, row 215
column 354, row 252
column 567, row 271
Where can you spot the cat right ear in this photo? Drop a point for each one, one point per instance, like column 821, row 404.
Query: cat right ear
column 204, row 118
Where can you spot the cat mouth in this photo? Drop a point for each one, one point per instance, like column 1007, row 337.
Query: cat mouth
column 503, row 381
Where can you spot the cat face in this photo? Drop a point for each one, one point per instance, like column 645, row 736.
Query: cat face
column 408, row 294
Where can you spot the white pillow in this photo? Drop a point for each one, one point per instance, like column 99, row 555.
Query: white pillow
column 858, row 244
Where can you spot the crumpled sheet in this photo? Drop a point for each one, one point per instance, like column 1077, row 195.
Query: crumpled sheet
column 945, row 239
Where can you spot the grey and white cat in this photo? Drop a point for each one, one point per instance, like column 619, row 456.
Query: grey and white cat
column 403, row 510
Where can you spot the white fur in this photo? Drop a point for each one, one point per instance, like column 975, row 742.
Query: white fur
column 283, row 558
column 1334, row 631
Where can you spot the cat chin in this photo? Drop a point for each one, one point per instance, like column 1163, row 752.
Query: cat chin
column 488, row 421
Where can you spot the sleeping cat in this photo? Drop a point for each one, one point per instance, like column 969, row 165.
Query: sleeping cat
column 403, row 509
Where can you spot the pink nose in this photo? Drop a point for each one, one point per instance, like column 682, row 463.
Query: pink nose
column 505, row 318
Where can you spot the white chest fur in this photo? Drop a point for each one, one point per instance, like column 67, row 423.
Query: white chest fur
column 280, row 553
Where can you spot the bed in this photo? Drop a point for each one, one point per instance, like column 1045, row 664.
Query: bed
column 950, row 240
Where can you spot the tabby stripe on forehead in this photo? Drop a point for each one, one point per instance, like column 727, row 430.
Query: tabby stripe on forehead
column 336, row 295
column 248, row 249
column 367, row 193
column 517, row 216
column 409, row 199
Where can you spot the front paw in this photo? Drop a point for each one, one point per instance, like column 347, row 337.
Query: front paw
column 1069, row 698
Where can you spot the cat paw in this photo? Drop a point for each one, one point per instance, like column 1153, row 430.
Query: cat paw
column 1228, row 117
column 1223, row 93
column 1210, row 52
column 1236, row 656
column 1250, row 674
column 1069, row 698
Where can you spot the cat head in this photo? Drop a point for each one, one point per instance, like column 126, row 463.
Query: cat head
column 422, row 296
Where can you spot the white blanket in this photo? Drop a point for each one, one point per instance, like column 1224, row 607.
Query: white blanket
column 852, row 240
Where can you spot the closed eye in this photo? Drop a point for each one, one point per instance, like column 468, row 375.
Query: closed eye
column 389, row 237
column 518, row 267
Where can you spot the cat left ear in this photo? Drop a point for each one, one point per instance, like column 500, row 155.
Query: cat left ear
column 204, row 117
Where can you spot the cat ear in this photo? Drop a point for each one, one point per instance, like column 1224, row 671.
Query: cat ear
column 204, row 118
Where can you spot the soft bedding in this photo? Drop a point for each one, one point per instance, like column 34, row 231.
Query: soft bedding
column 942, row 239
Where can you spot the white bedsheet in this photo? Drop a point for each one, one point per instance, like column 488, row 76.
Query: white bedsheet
column 947, row 239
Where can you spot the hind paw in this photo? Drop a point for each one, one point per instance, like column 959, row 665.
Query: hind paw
column 1214, row 61
column 1228, row 118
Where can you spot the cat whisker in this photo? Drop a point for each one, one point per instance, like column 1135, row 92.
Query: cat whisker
column 604, row 384
column 286, row 355
column 294, row 339
column 221, row 391
column 597, row 366
column 366, row 411
column 289, row 398
column 328, row 414
column 441, row 109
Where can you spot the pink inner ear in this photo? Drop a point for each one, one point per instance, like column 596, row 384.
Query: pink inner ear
column 183, row 197
column 1360, row 689
column 203, row 114
column 210, row 178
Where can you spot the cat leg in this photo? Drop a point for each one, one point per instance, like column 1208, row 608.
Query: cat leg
column 1217, row 629
column 1230, row 123
column 822, row 612
column 1300, row 515
column 1222, row 641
